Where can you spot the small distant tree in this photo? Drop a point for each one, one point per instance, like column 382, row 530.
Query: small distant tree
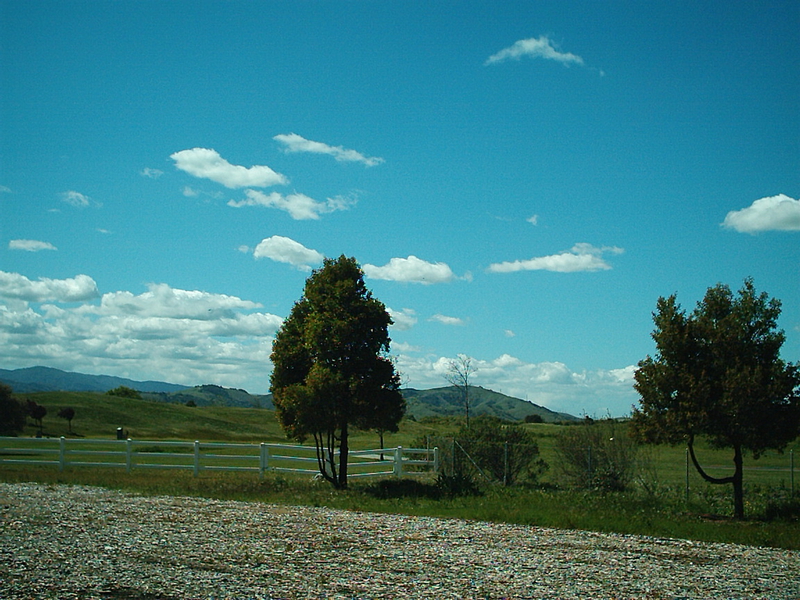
column 503, row 449
column 124, row 392
column 459, row 372
column 37, row 412
column 717, row 372
column 12, row 412
column 68, row 414
column 534, row 418
column 331, row 372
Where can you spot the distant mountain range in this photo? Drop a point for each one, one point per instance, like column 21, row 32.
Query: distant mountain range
column 46, row 379
column 445, row 401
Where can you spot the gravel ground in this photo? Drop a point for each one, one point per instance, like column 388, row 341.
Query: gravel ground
column 64, row 542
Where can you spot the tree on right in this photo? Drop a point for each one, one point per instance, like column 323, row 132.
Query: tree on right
column 717, row 373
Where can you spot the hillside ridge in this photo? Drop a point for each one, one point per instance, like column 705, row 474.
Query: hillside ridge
column 444, row 401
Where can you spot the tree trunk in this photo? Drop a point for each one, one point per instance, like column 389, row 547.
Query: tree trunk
column 735, row 479
column 344, row 450
column 738, row 489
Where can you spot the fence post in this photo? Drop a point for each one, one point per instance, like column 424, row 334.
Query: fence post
column 264, row 461
column 436, row 459
column 196, row 458
column 62, row 453
column 128, row 455
column 398, row 462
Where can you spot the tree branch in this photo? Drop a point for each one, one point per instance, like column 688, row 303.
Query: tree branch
column 703, row 474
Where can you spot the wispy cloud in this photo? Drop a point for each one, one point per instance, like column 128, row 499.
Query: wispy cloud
column 299, row 206
column 206, row 163
column 296, row 143
column 445, row 320
column 403, row 319
column 286, row 250
column 412, row 270
column 30, row 245
column 774, row 213
column 582, row 257
column 533, row 220
column 77, row 199
column 541, row 47
column 151, row 173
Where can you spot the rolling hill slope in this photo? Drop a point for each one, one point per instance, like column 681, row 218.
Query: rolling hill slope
column 445, row 401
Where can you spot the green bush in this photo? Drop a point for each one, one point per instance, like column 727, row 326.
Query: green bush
column 597, row 455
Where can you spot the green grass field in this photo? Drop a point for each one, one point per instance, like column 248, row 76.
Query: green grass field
column 660, row 510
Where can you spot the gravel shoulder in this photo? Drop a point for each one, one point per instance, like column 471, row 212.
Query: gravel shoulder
column 59, row 541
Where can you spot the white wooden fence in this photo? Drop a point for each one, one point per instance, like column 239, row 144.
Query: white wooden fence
column 208, row 456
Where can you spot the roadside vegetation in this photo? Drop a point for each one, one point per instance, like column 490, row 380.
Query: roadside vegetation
column 652, row 501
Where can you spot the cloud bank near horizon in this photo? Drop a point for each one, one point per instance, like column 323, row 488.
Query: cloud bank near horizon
column 191, row 337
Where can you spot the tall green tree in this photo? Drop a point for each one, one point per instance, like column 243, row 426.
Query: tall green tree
column 717, row 372
column 331, row 371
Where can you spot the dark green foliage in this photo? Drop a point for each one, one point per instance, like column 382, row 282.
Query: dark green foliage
column 125, row 392
column 501, row 449
column 717, row 372
column 457, row 484
column 403, row 488
column 37, row 412
column 596, row 455
column 12, row 412
column 67, row 413
column 534, row 419
column 331, row 372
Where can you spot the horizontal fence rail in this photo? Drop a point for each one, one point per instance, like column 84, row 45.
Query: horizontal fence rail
column 209, row 456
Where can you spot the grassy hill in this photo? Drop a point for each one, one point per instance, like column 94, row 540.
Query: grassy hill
column 99, row 415
column 214, row 395
column 448, row 401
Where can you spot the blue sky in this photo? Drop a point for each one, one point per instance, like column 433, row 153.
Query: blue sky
column 520, row 181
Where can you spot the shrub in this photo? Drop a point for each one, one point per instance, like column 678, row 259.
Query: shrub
column 597, row 455
column 502, row 450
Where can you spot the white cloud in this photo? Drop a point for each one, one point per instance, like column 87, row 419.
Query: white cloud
column 76, row 199
column 445, row 320
column 403, row 319
column 208, row 164
column 286, row 250
column 299, row 206
column 550, row 383
column 533, row 220
column 297, row 143
column 14, row 286
column 582, row 257
column 182, row 336
column 774, row 213
column 541, row 47
column 5, row 190
column 30, row 245
column 151, row 173
column 509, row 333
column 411, row 269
